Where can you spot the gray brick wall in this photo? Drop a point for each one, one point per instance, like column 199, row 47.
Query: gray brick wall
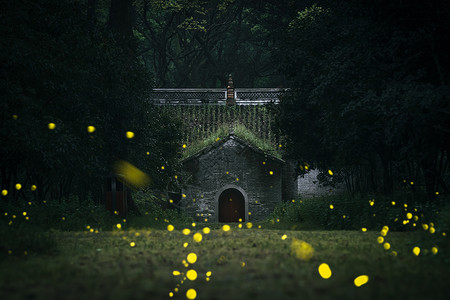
column 232, row 163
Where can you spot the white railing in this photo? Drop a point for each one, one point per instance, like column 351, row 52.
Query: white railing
column 243, row 96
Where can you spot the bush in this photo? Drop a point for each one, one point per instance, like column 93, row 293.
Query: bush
column 345, row 212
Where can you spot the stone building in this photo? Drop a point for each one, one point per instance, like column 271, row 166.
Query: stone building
column 231, row 180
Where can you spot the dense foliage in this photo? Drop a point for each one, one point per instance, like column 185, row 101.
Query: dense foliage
column 371, row 93
column 59, row 65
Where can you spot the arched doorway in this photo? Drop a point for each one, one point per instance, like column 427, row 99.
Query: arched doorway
column 231, row 205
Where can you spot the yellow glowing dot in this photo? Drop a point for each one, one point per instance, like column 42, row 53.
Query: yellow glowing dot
column 15, row 117
column 434, row 250
column 226, row 227
column 148, row 153
column 412, row 182
column 331, row 206
column 170, row 228
column 405, row 205
column 416, row 218
column 198, row 237
column 383, row 232
column 191, row 293
column 372, row 202
column 437, row 193
column 259, row 226
column 4, row 192
column 271, row 172
column 170, row 201
column 240, row 219
column 18, row 186
column 425, row 226
column 24, row 213
column 432, row 230
column 206, row 220
column 176, row 273
column 306, row 167
column 431, row 224
column 191, row 275
column 175, row 290
column 409, row 216
column 249, row 225
column 385, row 228
column 387, row 246
column 293, row 201
column 237, row 179
column 193, row 224
column 330, row 172
column 393, row 202
column 170, row 294
column 92, row 230
column 361, row 280
column 186, row 231
column 416, row 251
column 184, row 146
column 380, row 240
column 240, row 225
column 280, row 145
column 263, row 162
column 33, row 187
column 14, row 216
column 162, row 167
column 191, row 258
column 129, row 134
column 249, row 213
column 183, row 195
column 88, row 227
column 90, row 129
column 206, row 230
column 119, row 226
column 324, row 271
column 344, row 216
column 51, row 126
column 242, row 264
column 394, row 253
column 63, row 218
column 132, row 244
column 444, row 234
column 185, row 245
column 363, row 229
column 284, row 237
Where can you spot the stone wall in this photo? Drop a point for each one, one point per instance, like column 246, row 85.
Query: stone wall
column 309, row 187
column 232, row 163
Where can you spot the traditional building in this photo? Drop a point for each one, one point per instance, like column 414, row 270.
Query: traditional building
column 233, row 180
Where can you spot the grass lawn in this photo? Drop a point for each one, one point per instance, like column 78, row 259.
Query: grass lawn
column 244, row 264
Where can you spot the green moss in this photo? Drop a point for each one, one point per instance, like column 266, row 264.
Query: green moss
column 222, row 132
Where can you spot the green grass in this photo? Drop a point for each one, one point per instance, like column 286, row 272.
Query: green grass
column 104, row 266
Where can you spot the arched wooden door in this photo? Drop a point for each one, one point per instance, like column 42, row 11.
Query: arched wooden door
column 231, row 206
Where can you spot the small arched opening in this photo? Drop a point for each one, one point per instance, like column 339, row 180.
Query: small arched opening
column 231, row 205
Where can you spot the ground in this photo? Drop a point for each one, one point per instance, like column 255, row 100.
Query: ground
column 244, row 264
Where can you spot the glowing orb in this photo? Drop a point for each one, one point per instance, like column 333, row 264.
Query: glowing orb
column 132, row 244
column 129, row 134
column 206, row 230
column 191, row 293
column 226, row 227
column 90, row 129
column 184, row 146
column 191, row 258
column 208, row 273
column 380, row 240
column 249, row 225
column 324, row 271
column 432, row 230
column 198, row 237
column 119, row 226
column 387, row 246
column 131, row 175
column 416, row 251
column 4, row 192
column 434, row 250
column 330, row 172
column 191, row 275
column 361, row 280
column 301, row 249
column 18, row 186
column 170, row 228
column 363, row 229
column 51, row 126
column 331, row 206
